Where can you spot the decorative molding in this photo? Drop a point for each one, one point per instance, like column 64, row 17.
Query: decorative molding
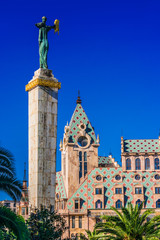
column 42, row 82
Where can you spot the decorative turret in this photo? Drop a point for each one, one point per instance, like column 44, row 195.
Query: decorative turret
column 79, row 151
column 25, row 189
column 79, row 101
column 25, row 177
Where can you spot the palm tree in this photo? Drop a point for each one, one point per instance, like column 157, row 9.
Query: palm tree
column 130, row 224
column 16, row 224
column 13, row 187
column 8, row 181
column 90, row 235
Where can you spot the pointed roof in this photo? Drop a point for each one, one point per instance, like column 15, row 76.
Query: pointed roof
column 79, row 116
column 104, row 160
column 141, row 145
column 60, row 188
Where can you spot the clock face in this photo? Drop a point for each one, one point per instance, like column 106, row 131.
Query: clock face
column 82, row 141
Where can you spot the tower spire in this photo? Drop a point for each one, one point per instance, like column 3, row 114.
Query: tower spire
column 25, row 175
column 79, row 99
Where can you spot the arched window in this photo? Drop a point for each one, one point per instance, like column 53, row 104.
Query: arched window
column 85, row 163
column 98, row 204
column 138, row 164
column 138, row 202
column 156, row 163
column 158, row 203
column 118, row 204
column 128, row 164
column 80, row 165
column 147, row 164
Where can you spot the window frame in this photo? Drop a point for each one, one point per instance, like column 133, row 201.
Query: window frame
column 80, row 221
column 128, row 164
column 147, row 164
column 118, row 203
column 98, row 191
column 157, row 190
column 138, row 190
column 137, row 164
column 156, row 166
column 73, row 221
column 118, row 190
column 98, row 202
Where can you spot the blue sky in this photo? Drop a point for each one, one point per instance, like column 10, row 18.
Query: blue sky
column 109, row 50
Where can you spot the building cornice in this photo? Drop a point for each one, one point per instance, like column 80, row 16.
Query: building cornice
column 42, row 82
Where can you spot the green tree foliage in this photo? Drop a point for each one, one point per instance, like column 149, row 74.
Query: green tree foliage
column 8, row 181
column 90, row 235
column 15, row 224
column 130, row 224
column 6, row 234
column 45, row 224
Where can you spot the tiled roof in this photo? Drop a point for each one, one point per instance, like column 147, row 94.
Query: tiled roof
column 142, row 145
column 79, row 116
column 104, row 160
column 60, row 188
column 86, row 190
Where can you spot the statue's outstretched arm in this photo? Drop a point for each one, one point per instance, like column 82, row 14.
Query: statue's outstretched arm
column 50, row 27
column 39, row 25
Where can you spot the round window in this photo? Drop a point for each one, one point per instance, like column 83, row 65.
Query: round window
column 137, row 177
column 156, row 177
column 82, row 141
column 98, row 177
column 117, row 177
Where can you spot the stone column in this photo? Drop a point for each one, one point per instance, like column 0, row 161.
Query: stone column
column 43, row 99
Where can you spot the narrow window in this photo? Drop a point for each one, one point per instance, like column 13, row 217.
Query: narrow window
column 118, row 204
column 76, row 204
column 85, row 156
column 138, row 190
column 156, row 163
column 23, row 211
column 157, row 190
column 98, row 204
column 138, row 202
column 158, row 203
column 85, row 163
column 80, row 165
column 80, row 221
column 138, row 164
column 128, row 164
column 98, row 190
column 118, row 190
column 147, row 164
column 73, row 221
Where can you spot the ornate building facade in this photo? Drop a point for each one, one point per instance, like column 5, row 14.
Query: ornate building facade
column 89, row 184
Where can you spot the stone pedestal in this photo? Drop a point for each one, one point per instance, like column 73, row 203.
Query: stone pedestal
column 43, row 99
